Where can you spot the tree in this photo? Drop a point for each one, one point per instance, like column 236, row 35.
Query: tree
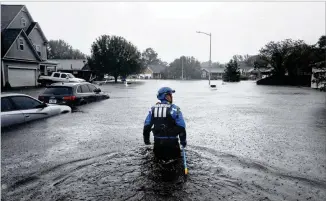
column 292, row 60
column 232, row 72
column 150, row 57
column 238, row 58
column 321, row 44
column 299, row 60
column 163, row 63
column 214, row 64
column 320, row 61
column 115, row 56
column 247, row 59
column 59, row 49
column 260, row 62
column 191, row 68
column 278, row 55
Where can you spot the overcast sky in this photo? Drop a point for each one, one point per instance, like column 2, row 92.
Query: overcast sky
column 170, row 28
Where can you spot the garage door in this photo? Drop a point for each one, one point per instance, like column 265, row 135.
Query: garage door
column 21, row 77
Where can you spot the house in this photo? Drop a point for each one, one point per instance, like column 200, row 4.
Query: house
column 244, row 68
column 23, row 48
column 156, row 71
column 146, row 74
column 78, row 67
column 259, row 73
column 216, row 73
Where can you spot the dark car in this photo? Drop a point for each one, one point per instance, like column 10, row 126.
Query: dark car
column 72, row 94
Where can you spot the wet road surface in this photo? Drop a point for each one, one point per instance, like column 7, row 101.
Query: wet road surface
column 245, row 142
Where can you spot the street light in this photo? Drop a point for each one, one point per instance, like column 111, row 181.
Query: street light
column 210, row 56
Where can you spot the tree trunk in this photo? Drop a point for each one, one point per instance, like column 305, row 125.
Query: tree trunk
column 115, row 79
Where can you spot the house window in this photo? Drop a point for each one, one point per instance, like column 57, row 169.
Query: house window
column 23, row 22
column 21, row 43
column 38, row 49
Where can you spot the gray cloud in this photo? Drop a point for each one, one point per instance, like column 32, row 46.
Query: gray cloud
column 170, row 27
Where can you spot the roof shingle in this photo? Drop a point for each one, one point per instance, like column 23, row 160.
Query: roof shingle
column 8, row 36
column 70, row 64
column 8, row 13
column 214, row 70
column 157, row 68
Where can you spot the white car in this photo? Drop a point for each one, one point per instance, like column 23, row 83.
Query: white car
column 58, row 77
column 21, row 108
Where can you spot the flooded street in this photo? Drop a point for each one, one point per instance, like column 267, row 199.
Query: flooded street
column 245, row 142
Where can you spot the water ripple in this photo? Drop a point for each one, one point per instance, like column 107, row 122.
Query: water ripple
column 135, row 175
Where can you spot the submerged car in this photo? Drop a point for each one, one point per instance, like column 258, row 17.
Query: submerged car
column 20, row 108
column 72, row 94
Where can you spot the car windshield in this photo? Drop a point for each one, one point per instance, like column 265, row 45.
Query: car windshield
column 70, row 75
column 58, row 91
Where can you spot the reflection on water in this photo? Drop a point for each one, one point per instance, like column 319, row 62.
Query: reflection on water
column 135, row 175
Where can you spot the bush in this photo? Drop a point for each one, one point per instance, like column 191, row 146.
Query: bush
column 232, row 72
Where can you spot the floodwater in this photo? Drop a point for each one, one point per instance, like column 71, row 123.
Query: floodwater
column 245, row 142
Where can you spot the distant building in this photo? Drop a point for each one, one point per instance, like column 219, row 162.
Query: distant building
column 146, row 74
column 153, row 72
column 259, row 73
column 157, row 71
column 215, row 73
column 244, row 68
column 78, row 67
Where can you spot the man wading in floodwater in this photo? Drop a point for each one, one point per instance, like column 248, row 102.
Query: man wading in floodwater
column 168, row 124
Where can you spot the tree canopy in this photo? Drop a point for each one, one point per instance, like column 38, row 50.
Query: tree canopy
column 115, row 56
column 150, row 57
column 214, row 64
column 60, row 49
column 231, row 72
column 191, row 68
column 295, row 58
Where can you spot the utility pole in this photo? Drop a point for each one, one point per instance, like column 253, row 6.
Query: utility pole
column 182, row 67
column 210, row 57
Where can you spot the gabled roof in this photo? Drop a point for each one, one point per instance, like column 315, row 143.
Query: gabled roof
column 8, row 13
column 145, row 71
column 214, row 70
column 8, row 36
column 31, row 45
column 70, row 64
column 49, row 62
column 157, row 68
column 86, row 67
column 30, row 28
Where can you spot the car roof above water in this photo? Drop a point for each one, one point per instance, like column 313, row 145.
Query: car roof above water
column 68, row 84
column 8, row 94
